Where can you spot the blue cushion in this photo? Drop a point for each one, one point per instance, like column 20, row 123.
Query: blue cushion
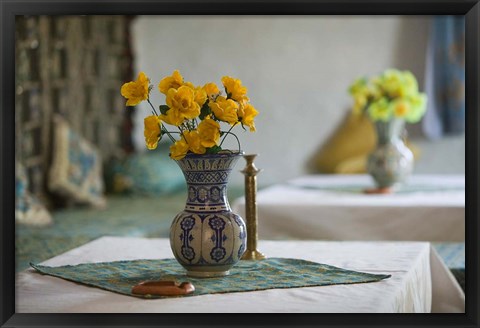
column 28, row 209
column 146, row 173
column 76, row 171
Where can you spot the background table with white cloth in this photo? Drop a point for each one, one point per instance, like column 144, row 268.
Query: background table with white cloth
column 419, row 281
column 334, row 207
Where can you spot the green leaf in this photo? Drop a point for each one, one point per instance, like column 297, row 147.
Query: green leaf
column 163, row 109
column 213, row 150
column 205, row 111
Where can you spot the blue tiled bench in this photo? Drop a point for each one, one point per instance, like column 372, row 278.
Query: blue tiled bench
column 453, row 254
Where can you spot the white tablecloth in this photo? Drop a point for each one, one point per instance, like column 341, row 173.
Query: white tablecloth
column 332, row 207
column 417, row 274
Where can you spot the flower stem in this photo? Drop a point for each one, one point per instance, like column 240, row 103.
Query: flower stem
column 154, row 111
column 233, row 134
column 226, row 135
column 168, row 133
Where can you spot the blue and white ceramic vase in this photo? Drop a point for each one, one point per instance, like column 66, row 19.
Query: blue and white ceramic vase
column 391, row 162
column 207, row 238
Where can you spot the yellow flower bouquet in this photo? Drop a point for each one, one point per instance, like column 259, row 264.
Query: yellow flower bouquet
column 197, row 112
column 392, row 94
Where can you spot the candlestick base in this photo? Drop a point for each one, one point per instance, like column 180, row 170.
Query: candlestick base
column 253, row 255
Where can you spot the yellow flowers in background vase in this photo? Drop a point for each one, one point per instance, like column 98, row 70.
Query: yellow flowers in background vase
column 196, row 111
column 389, row 100
column 392, row 94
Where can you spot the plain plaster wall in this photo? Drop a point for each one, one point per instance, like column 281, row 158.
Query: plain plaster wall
column 297, row 70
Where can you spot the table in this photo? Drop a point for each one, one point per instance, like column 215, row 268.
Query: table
column 333, row 207
column 420, row 281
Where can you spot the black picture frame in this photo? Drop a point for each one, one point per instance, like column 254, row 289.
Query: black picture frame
column 10, row 8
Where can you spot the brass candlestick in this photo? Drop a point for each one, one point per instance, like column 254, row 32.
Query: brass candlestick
column 250, row 172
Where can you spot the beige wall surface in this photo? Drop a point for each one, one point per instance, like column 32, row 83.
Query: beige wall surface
column 297, row 70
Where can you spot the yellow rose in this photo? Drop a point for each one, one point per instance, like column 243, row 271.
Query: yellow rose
column 152, row 131
column 183, row 100
column 235, row 89
column 359, row 86
column 209, row 131
column 179, row 149
column 225, row 109
column 392, row 82
column 173, row 117
column 400, row 108
column 360, row 92
column 399, row 84
column 200, row 96
column 248, row 113
column 359, row 104
column 212, row 90
column 380, row 110
column 175, row 81
column 418, row 107
column 136, row 91
column 375, row 92
column 410, row 84
column 194, row 142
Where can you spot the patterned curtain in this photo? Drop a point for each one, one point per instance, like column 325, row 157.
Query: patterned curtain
column 445, row 77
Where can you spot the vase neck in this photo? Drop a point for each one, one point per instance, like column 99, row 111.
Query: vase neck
column 207, row 179
column 389, row 131
column 207, row 198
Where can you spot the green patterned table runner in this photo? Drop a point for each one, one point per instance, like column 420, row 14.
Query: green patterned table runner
column 270, row 273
